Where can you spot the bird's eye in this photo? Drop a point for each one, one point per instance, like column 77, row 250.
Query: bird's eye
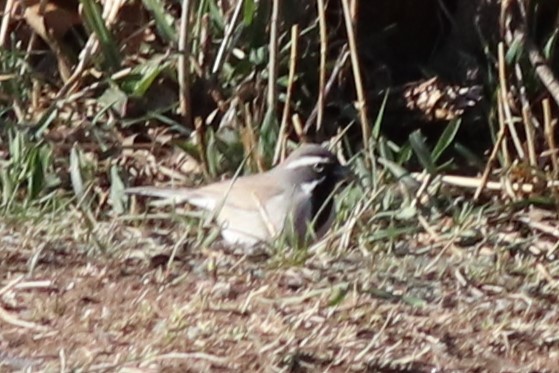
column 318, row 168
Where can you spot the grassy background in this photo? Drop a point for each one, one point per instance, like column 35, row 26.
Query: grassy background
column 442, row 256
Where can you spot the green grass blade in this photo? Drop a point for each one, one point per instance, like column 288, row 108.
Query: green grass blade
column 446, row 139
column 380, row 115
column 417, row 142
column 95, row 22
column 163, row 21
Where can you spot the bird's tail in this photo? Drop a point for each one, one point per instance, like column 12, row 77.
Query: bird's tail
column 171, row 195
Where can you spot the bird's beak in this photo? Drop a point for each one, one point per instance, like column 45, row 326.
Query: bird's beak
column 344, row 173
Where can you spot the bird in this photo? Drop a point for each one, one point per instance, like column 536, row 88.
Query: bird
column 297, row 194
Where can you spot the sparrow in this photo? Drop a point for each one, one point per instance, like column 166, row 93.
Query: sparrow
column 297, row 194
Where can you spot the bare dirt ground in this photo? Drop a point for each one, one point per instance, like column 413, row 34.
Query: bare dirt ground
column 461, row 310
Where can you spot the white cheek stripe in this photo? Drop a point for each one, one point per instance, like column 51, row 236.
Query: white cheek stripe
column 307, row 161
column 309, row 187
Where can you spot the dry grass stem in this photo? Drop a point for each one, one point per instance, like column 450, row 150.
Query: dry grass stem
column 527, row 118
column 504, row 93
column 298, row 127
column 264, row 215
column 340, row 63
column 549, row 131
column 322, row 66
column 356, row 68
column 8, row 10
column 477, row 183
column 449, row 268
column 221, row 53
column 10, row 319
column 280, row 150
column 499, row 143
column 544, row 72
column 544, row 228
column 272, row 96
column 184, row 65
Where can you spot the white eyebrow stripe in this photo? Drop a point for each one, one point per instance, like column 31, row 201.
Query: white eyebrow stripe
column 307, row 161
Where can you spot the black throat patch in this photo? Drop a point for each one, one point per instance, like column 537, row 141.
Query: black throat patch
column 322, row 203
